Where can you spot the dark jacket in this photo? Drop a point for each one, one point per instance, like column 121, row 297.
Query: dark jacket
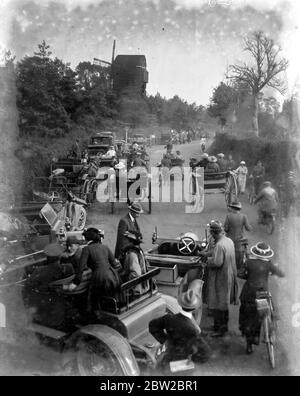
column 256, row 272
column 125, row 224
column 234, row 226
column 181, row 334
column 100, row 260
column 212, row 167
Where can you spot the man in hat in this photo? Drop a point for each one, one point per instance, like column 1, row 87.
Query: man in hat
column 222, row 162
column 128, row 224
column 234, row 226
column 222, row 279
column 138, row 161
column 212, row 166
column 180, row 332
column 256, row 272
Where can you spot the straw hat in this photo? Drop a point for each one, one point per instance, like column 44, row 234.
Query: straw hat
column 262, row 251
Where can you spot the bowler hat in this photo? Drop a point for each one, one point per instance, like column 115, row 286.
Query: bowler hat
column 136, row 208
column 262, row 250
column 53, row 250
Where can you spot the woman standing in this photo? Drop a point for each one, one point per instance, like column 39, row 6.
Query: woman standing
column 256, row 272
column 105, row 280
column 242, row 172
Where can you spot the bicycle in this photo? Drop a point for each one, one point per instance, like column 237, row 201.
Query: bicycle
column 265, row 310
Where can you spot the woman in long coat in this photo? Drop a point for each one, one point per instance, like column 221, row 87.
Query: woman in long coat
column 99, row 258
column 256, row 272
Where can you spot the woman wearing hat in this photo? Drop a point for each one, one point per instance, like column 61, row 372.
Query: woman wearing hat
column 212, row 166
column 256, row 272
column 98, row 257
column 234, row 226
column 180, row 332
column 134, row 262
column 242, row 172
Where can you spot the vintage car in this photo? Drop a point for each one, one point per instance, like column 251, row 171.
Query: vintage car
column 100, row 144
column 115, row 341
column 175, row 257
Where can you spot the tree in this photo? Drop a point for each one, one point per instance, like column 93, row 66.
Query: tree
column 42, row 102
column 222, row 102
column 263, row 72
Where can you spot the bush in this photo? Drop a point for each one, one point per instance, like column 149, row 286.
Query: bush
column 278, row 156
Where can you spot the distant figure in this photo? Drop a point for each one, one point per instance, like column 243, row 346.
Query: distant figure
column 212, row 166
column 258, row 174
column 76, row 152
column 230, row 163
column 242, row 172
column 222, row 162
column 268, row 201
column 111, row 153
column 234, row 226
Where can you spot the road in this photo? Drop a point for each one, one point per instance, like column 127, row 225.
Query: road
column 229, row 356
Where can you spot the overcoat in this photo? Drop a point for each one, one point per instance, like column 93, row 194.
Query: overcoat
column 125, row 224
column 222, row 276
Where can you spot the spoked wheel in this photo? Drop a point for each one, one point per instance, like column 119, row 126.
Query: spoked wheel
column 269, row 334
column 81, row 220
column 93, row 358
column 231, row 189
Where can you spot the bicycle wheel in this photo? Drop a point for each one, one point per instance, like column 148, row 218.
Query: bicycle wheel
column 269, row 340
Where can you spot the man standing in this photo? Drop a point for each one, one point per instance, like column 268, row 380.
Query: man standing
column 222, row 279
column 128, row 224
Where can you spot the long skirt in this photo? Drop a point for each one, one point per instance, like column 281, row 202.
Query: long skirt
column 249, row 321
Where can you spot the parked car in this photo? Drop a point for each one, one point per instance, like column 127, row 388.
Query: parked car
column 175, row 257
column 100, row 144
column 115, row 341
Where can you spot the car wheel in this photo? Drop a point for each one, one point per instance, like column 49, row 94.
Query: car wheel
column 93, row 358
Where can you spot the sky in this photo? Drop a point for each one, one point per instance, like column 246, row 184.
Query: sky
column 188, row 44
